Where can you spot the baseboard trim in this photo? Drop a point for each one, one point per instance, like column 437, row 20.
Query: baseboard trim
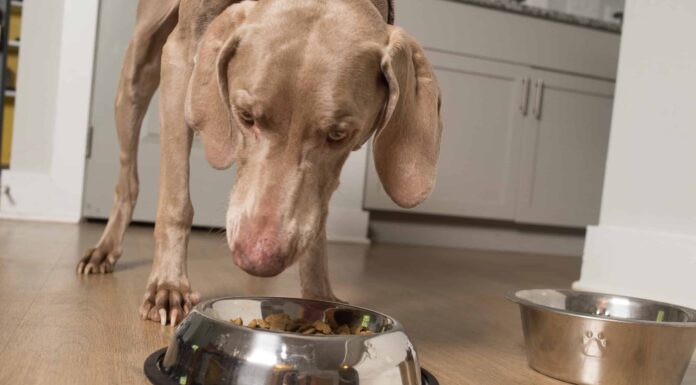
column 639, row 263
column 434, row 230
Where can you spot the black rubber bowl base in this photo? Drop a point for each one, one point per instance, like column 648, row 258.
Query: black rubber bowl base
column 153, row 373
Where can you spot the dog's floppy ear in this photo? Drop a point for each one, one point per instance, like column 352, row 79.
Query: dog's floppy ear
column 207, row 106
column 407, row 141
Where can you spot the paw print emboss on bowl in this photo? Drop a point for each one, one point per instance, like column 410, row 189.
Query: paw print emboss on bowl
column 594, row 338
column 594, row 345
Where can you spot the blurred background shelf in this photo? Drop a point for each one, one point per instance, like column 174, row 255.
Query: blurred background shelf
column 10, row 43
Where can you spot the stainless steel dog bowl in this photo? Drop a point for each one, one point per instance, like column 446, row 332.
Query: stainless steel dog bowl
column 592, row 338
column 207, row 349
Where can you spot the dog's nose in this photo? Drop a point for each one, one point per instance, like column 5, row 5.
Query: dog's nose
column 261, row 257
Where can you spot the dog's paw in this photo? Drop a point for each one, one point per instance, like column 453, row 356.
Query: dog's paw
column 97, row 261
column 168, row 302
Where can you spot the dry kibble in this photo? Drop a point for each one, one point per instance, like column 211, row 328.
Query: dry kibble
column 278, row 322
column 305, row 327
column 322, row 327
column 343, row 330
column 278, row 317
column 283, row 322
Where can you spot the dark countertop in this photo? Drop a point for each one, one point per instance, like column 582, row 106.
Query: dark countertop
column 561, row 17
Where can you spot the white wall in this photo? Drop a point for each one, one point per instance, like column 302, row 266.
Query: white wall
column 645, row 243
column 653, row 154
column 53, row 100
column 37, row 81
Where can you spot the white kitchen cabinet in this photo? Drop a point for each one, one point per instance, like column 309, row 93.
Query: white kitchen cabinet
column 496, row 161
column 563, row 151
column 525, row 152
column 482, row 126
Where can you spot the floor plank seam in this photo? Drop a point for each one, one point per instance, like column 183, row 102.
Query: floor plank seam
column 33, row 301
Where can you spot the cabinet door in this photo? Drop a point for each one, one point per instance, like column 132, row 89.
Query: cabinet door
column 564, row 150
column 481, row 126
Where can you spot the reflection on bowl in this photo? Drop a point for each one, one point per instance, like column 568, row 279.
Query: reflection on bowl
column 593, row 338
column 208, row 349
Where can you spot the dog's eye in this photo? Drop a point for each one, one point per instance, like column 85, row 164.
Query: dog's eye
column 336, row 136
column 246, row 117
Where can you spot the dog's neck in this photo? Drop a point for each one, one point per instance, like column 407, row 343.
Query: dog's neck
column 386, row 8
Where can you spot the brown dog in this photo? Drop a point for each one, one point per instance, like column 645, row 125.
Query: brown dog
column 286, row 89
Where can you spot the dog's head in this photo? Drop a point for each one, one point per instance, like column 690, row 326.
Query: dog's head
column 287, row 89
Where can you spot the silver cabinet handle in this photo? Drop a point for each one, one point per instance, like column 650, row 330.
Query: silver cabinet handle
column 524, row 99
column 539, row 86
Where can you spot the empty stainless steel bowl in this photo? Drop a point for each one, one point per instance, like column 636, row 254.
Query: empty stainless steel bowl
column 592, row 338
column 207, row 349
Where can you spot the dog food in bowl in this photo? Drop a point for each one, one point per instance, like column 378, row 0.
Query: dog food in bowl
column 207, row 348
column 284, row 323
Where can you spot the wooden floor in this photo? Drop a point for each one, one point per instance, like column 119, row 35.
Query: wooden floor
column 60, row 328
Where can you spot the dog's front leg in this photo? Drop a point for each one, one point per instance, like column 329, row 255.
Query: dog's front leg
column 168, row 296
column 314, row 272
column 140, row 76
